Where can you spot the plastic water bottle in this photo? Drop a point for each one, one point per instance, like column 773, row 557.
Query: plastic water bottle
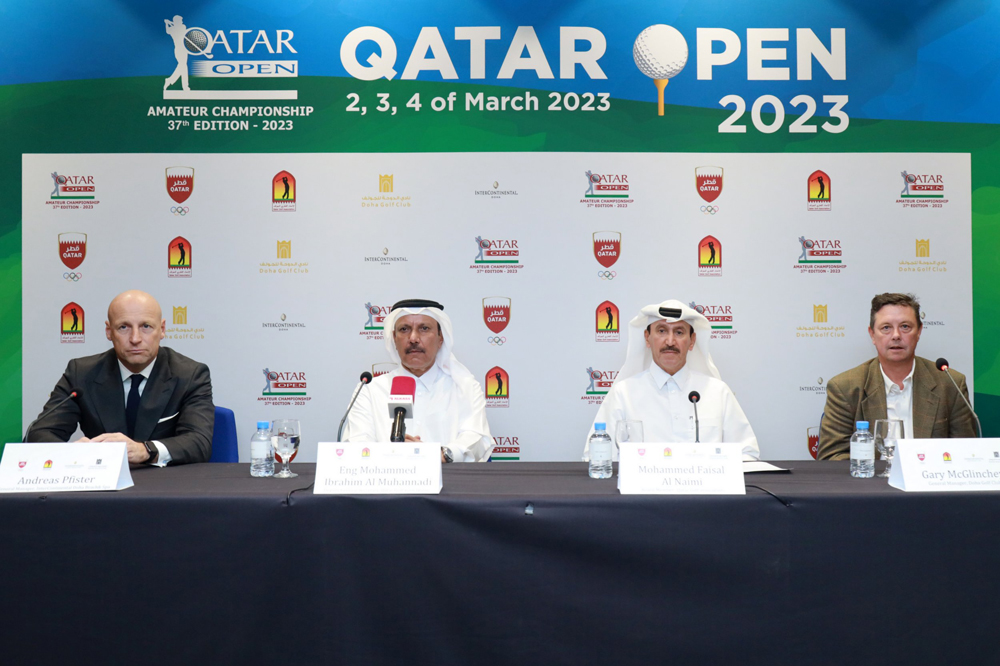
column 862, row 452
column 600, row 453
column 261, row 453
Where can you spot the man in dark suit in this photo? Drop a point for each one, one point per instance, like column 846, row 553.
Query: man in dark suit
column 155, row 400
column 897, row 384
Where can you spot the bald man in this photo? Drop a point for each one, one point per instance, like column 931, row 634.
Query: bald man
column 155, row 400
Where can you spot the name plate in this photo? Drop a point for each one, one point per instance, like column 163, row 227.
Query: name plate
column 656, row 468
column 378, row 468
column 58, row 467
column 946, row 465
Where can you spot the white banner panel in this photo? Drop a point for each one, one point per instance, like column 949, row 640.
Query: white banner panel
column 276, row 270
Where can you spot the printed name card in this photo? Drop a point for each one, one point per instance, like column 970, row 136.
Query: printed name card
column 946, row 465
column 654, row 468
column 56, row 467
column 378, row 468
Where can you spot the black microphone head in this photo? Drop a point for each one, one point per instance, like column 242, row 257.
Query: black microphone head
column 942, row 364
column 694, row 396
column 366, row 377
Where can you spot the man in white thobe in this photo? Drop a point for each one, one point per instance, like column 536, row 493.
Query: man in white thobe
column 667, row 359
column 449, row 406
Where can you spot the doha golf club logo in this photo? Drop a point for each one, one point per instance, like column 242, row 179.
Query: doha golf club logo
column 660, row 52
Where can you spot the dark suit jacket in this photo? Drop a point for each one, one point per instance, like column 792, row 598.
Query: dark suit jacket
column 859, row 395
column 176, row 407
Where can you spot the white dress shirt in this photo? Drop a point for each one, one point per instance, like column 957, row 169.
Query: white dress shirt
column 444, row 411
column 661, row 402
column 899, row 401
column 164, row 457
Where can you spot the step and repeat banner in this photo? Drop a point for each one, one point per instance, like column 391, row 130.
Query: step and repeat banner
column 278, row 175
column 278, row 270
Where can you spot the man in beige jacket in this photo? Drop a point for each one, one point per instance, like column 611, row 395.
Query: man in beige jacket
column 896, row 384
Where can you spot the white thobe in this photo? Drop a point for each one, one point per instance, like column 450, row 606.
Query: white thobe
column 661, row 402
column 452, row 413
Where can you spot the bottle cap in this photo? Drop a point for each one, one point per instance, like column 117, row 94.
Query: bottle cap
column 862, row 425
column 263, row 425
column 600, row 426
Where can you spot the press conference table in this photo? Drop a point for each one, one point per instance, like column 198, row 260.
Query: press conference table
column 513, row 563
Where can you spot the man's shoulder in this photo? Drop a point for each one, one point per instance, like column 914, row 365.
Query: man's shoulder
column 857, row 375
column 85, row 364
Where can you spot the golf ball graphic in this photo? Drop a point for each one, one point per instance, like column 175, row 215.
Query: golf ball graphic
column 660, row 53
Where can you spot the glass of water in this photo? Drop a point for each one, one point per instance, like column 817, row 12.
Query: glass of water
column 285, row 436
column 887, row 432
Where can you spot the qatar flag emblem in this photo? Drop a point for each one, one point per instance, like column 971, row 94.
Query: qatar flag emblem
column 22, row 463
column 340, row 452
column 920, row 457
column 180, row 183
column 496, row 312
column 709, row 182
column 607, row 247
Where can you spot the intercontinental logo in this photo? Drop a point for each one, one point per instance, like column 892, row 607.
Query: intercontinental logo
column 606, row 322
column 233, row 54
column 922, row 190
column 283, row 193
column 497, row 387
column 821, row 326
column 385, row 259
column 387, row 196
column 282, row 325
column 607, row 190
column 374, row 318
column 71, row 324
column 72, row 192
column 180, row 330
column 598, row 384
column 497, row 255
column 818, row 192
column 817, row 388
column 179, row 258
column 494, row 191
column 923, row 262
column 506, row 447
column 709, row 257
column 283, row 264
column 284, row 388
column 720, row 317
column 818, row 255
column 927, row 321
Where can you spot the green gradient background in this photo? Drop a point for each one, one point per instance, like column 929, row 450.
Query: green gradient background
column 109, row 116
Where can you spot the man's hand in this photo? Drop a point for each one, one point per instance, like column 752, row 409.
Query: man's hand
column 137, row 453
column 411, row 438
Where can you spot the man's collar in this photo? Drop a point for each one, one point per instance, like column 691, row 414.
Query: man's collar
column 661, row 377
column 428, row 378
column 126, row 373
column 889, row 383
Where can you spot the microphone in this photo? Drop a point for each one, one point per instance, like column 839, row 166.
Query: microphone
column 365, row 378
column 694, row 397
column 74, row 393
column 942, row 365
column 401, row 395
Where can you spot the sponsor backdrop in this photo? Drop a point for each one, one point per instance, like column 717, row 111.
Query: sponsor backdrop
column 278, row 178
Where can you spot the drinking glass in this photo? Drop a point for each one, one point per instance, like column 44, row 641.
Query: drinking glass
column 628, row 431
column 285, row 436
column 887, row 433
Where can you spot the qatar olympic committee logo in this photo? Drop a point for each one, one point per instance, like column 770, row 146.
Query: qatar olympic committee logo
column 234, row 47
column 72, row 249
column 180, row 185
column 708, row 180
column 607, row 247
column 496, row 313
